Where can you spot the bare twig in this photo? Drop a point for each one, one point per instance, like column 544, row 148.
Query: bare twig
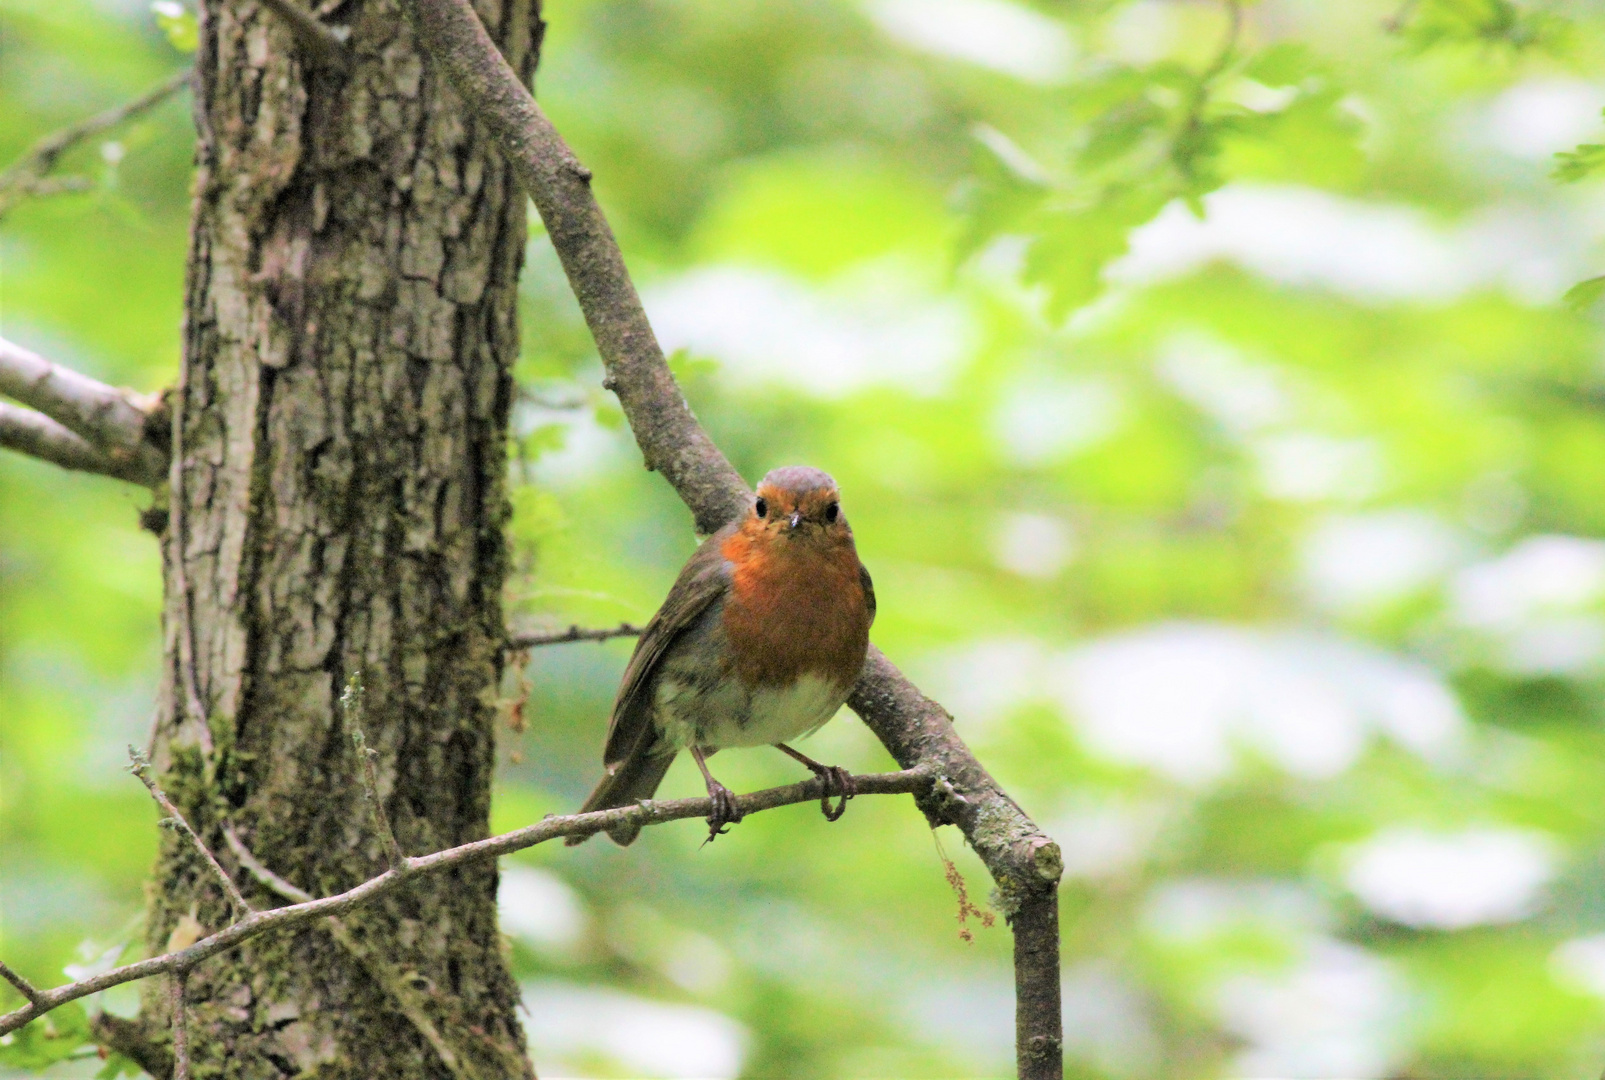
column 28, row 174
column 141, row 768
column 1023, row 861
column 1187, row 145
column 24, row 987
column 265, row 877
column 178, row 545
column 324, row 42
column 110, row 420
column 915, row 782
column 38, row 436
column 573, row 633
column 351, row 702
column 176, row 985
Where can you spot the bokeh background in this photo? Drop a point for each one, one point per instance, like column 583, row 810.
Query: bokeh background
column 1209, row 417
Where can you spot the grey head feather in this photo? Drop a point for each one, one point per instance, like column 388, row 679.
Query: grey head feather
column 799, row 479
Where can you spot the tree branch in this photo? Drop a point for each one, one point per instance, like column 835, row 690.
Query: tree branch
column 1024, row 862
column 24, row 987
column 915, row 782
column 351, row 704
column 112, row 422
column 28, row 174
column 141, row 769
column 38, row 436
column 573, row 633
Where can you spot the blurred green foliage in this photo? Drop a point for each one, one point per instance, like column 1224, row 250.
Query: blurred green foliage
column 1206, row 410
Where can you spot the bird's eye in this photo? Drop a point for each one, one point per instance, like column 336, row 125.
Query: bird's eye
column 761, row 507
column 833, row 511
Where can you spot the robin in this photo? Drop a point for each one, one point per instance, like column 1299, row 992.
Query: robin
column 758, row 643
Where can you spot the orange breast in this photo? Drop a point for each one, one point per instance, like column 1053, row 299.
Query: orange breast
column 795, row 608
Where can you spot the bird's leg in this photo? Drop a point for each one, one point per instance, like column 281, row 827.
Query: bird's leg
column 725, row 811
column 836, row 780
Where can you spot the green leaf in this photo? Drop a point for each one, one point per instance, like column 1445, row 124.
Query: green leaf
column 179, row 23
column 1287, row 64
column 54, row 1037
column 1574, row 165
column 1074, row 247
column 1584, row 294
column 1007, row 186
column 1487, row 22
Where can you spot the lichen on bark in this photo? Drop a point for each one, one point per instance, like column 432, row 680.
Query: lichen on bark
column 349, row 341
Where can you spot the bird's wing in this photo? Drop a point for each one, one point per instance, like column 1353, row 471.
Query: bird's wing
column 705, row 577
column 869, row 591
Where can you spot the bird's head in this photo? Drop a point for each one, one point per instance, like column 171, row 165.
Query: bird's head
column 797, row 504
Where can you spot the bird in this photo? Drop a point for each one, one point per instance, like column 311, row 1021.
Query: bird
column 758, row 643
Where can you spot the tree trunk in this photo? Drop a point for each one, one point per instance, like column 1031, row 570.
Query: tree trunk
column 340, row 445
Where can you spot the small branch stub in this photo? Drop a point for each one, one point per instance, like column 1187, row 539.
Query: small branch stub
column 353, row 703
column 24, row 987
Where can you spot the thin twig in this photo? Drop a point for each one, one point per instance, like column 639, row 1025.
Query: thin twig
column 176, row 986
column 112, row 421
column 27, row 175
column 1185, row 147
column 352, row 702
column 325, row 42
column 141, row 768
column 178, row 544
column 573, row 633
column 259, row 871
column 24, row 987
column 916, row 782
column 1023, row 861
column 38, row 436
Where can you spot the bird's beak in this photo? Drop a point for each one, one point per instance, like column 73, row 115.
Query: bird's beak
column 796, row 518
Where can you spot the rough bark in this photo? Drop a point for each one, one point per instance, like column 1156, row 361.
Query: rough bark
column 337, row 506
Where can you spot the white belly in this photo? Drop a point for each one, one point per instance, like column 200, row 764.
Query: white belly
column 729, row 716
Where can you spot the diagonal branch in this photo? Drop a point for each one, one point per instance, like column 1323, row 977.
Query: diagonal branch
column 24, row 987
column 111, row 421
column 141, row 769
column 1024, row 862
column 36, row 435
column 29, row 174
column 916, row 782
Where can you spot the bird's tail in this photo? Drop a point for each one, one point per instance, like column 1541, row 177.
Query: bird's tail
column 636, row 777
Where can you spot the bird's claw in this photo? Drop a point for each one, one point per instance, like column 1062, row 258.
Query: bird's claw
column 837, row 781
column 725, row 811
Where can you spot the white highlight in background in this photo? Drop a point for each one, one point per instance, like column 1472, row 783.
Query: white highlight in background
column 1449, row 881
column 568, row 1023
column 994, row 34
